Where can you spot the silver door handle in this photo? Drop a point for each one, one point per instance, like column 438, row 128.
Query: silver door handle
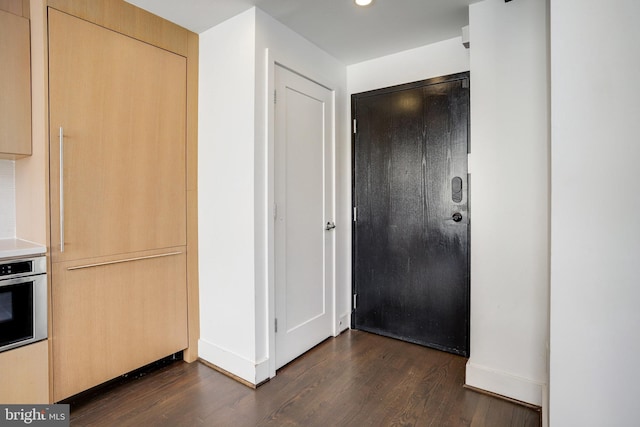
column 61, row 189
column 120, row 261
column 330, row 226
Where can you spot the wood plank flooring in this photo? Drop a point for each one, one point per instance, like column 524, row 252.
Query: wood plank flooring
column 356, row 379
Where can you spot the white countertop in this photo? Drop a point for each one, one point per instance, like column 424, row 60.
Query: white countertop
column 10, row 248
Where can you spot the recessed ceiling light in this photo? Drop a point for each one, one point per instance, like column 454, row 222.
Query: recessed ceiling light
column 363, row 2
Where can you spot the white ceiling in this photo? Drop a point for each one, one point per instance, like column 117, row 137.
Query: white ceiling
column 349, row 33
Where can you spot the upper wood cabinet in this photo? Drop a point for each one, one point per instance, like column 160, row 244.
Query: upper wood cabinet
column 15, row 86
column 118, row 142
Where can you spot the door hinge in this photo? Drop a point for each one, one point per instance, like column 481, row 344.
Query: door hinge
column 355, row 300
column 276, row 324
column 275, row 96
column 275, row 210
column 355, row 126
column 465, row 83
column 355, row 214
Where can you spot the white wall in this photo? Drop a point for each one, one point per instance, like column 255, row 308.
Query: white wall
column 7, row 199
column 509, row 165
column 226, row 220
column 235, row 166
column 595, row 287
column 437, row 59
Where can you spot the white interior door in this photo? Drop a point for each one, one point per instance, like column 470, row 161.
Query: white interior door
column 304, row 193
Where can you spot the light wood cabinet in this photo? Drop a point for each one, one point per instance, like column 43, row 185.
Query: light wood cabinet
column 118, row 178
column 114, row 315
column 25, row 374
column 15, row 86
column 121, row 107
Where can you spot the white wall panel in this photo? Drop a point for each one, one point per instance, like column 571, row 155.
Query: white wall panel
column 595, row 287
column 509, row 166
column 226, row 192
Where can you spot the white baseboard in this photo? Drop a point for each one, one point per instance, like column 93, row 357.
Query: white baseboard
column 343, row 323
column 545, row 405
column 262, row 370
column 504, row 384
column 252, row 372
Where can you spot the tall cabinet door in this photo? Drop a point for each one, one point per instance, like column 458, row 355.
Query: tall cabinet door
column 117, row 120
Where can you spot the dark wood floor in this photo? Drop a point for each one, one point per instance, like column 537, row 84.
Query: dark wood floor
column 356, row 379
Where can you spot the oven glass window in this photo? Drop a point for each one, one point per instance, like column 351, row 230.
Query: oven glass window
column 6, row 301
column 16, row 313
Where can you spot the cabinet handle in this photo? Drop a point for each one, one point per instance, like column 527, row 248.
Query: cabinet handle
column 61, row 189
column 79, row 267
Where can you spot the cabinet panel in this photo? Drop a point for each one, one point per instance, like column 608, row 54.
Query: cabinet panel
column 25, row 374
column 15, row 86
column 111, row 316
column 125, row 18
column 122, row 106
column 17, row 7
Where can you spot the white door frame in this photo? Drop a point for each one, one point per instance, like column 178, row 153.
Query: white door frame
column 271, row 62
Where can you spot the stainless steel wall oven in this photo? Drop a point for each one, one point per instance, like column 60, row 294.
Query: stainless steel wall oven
column 23, row 301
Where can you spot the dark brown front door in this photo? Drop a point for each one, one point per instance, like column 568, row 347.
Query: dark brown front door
column 411, row 216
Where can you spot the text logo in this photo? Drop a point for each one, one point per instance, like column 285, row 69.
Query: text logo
column 34, row 415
